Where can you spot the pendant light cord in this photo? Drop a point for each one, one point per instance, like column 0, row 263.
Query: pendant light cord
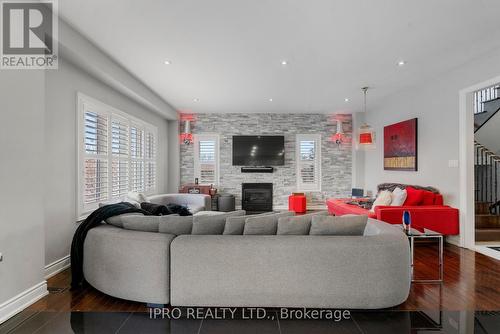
column 365, row 89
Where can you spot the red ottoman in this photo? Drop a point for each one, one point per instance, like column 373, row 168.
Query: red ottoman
column 297, row 203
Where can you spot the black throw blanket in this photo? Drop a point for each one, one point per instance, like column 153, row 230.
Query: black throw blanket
column 93, row 220
column 163, row 210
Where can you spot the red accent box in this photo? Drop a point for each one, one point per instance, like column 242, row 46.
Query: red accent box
column 297, row 203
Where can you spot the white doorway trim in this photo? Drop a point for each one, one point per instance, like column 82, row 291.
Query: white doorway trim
column 466, row 154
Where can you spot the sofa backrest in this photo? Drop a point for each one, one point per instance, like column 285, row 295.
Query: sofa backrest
column 189, row 200
column 436, row 200
column 392, row 186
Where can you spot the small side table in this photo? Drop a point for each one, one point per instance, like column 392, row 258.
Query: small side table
column 425, row 234
column 226, row 202
column 297, row 203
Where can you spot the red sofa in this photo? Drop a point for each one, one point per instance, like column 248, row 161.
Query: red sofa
column 436, row 216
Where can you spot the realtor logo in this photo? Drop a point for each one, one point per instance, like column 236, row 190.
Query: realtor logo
column 29, row 34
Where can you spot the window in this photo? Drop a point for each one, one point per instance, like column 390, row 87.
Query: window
column 206, row 158
column 308, row 156
column 117, row 154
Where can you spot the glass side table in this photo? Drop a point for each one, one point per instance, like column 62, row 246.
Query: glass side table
column 418, row 233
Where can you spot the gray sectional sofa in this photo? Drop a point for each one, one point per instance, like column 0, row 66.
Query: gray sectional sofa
column 367, row 271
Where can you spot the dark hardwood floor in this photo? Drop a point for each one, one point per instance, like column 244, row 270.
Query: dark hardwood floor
column 471, row 282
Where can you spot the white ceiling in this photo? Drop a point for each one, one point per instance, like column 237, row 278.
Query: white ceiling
column 228, row 53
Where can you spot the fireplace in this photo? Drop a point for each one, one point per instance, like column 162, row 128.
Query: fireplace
column 257, row 197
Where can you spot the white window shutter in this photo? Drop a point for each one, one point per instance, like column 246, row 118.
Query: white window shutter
column 207, row 159
column 95, row 186
column 150, row 161
column 137, row 159
column 116, row 154
column 119, row 157
column 96, row 133
column 95, row 163
column 308, row 158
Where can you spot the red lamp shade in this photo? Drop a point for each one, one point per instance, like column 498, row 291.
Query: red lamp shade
column 187, row 138
column 338, row 138
column 366, row 138
column 186, row 134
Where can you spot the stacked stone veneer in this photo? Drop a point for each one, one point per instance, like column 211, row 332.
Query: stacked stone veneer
column 336, row 162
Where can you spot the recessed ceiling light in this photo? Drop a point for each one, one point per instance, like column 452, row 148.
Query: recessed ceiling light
column 284, row 62
column 401, row 63
column 196, row 100
column 167, row 62
column 346, row 99
column 270, row 100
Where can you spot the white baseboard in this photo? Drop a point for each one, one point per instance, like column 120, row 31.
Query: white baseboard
column 57, row 266
column 18, row 303
column 453, row 239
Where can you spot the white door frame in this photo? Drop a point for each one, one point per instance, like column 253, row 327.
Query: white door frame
column 466, row 154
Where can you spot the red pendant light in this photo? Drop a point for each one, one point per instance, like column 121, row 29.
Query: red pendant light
column 366, row 135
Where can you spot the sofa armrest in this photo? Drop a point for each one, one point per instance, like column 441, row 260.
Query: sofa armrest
column 443, row 219
column 194, row 200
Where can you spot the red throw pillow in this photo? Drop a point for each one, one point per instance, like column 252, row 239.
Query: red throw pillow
column 429, row 198
column 414, row 197
column 438, row 200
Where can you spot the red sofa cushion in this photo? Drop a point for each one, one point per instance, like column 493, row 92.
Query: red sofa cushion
column 442, row 219
column 414, row 196
column 428, row 198
column 439, row 218
column 438, row 199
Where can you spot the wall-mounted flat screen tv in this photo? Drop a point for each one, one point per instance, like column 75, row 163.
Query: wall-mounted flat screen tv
column 258, row 150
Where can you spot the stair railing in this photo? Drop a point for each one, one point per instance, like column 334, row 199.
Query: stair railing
column 486, row 177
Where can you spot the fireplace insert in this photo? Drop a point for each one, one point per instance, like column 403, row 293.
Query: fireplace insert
column 257, row 197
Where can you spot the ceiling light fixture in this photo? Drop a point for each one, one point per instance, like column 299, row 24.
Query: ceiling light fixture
column 270, row 100
column 346, row 99
column 196, row 99
column 366, row 135
column 401, row 63
column 284, row 62
column 167, row 62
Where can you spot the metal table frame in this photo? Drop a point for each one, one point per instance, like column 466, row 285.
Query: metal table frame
column 427, row 234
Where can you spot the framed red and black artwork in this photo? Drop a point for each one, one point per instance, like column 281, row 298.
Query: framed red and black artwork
column 400, row 146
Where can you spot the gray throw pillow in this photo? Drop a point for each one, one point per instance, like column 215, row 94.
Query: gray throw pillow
column 338, row 225
column 297, row 225
column 141, row 223
column 235, row 225
column 264, row 225
column 118, row 220
column 175, row 224
column 213, row 224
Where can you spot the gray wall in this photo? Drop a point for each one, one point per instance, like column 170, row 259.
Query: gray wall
column 60, row 148
column 436, row 104
column 336, row 162
column 21, row 174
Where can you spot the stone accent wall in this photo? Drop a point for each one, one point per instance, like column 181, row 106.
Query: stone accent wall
column 335, row 165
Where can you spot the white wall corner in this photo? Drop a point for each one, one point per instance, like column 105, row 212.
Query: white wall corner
column 26, row 298
column 358, row 156
column 57, row 266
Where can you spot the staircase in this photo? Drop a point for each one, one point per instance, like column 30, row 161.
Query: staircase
column 487, row 169
column 487, row 224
